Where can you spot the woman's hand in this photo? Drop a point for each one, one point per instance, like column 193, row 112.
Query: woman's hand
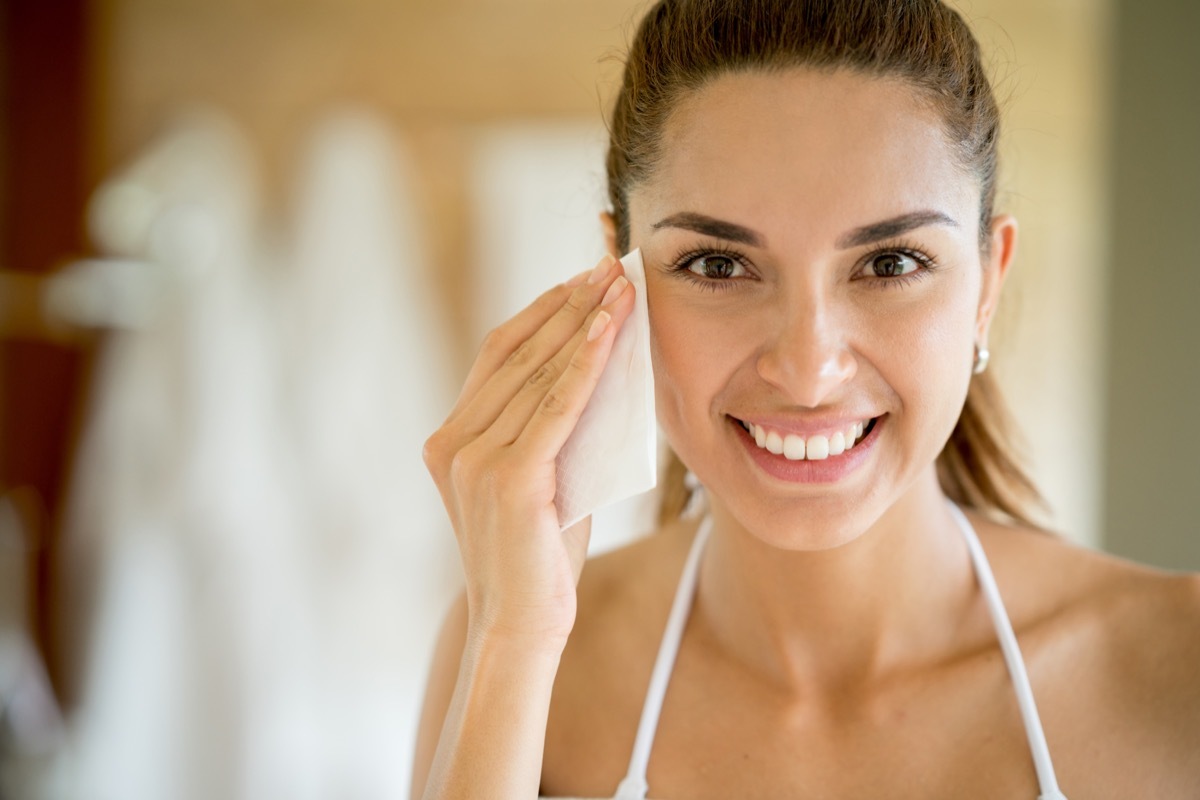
column 494, row 458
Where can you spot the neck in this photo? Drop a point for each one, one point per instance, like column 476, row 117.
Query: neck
column 895, row 597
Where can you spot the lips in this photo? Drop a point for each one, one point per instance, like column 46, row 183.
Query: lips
column 819, row 463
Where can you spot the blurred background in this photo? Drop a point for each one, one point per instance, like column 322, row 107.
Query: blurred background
column 247, row 250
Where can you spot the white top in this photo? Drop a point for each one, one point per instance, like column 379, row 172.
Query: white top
column 634, row 786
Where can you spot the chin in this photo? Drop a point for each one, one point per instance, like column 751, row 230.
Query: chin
column 803, row 524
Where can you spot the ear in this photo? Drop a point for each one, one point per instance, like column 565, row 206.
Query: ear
column 609, row 226
column 1003, row 237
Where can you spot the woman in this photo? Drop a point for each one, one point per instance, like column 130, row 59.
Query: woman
column 811, row 185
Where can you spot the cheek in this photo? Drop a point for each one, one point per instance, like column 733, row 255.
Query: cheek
column 922, row 350
column 922, row 347
column 694, row 353
column 673, row 351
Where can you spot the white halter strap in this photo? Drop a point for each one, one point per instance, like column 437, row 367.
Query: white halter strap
column 1047, row 782
column 634, row 786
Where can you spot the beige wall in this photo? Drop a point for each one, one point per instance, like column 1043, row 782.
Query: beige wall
column 441, row 68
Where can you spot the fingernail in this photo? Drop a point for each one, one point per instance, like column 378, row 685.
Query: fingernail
column 615, row 290
column 602, row 269
column 580, row 278
column 598, row 326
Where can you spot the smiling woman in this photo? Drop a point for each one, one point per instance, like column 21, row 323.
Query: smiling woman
column 864, row 609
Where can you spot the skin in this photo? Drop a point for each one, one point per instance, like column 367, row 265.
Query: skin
column 841, row 622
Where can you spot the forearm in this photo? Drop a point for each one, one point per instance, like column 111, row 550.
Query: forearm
column 494, row 732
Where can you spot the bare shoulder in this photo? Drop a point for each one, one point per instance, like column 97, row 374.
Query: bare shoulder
column 1151, row 648
column 1117, row 644
column 649, row 557
column 1145, row 619
column 1150, row 624
column 624, row 594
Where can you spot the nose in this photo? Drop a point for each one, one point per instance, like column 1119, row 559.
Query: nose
column 806, row 356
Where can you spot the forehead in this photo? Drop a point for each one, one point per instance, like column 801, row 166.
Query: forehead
column 804, row 149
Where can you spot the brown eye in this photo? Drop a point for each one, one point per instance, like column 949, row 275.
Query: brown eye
column 715, row 267
column 892, row 265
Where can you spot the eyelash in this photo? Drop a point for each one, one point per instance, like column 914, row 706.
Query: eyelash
column 925, row 261
column 927, row 264
column 681, row 262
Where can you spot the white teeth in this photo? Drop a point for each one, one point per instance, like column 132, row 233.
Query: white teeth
column 817, row 448
column 793, row 447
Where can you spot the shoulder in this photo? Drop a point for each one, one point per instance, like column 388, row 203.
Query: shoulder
column 1151, row 651
column 1050, row 575
column 1118, row 643
column 651, row 558
column 1135, row 614
column 624, row 595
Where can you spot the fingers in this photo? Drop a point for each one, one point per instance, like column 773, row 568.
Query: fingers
column 505, row 377
column 500, row 343
column 617, row 305
column 558, row 411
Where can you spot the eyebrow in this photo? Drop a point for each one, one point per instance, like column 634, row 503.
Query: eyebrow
column 893, row 227
column 732, row 232
column 710, row 226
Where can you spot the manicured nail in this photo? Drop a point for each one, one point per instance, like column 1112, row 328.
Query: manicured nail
column 602, row 269
column 598, row 326
column 580, row 278
column 615, row 290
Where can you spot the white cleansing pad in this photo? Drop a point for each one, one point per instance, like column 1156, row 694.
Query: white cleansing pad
column 611, row 453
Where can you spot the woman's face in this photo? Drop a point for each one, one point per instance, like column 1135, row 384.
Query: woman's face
column 813, row 268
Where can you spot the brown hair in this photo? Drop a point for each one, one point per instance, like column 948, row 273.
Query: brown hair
column 681, row 45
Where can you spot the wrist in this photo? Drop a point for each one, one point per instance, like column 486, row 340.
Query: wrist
column 499, row 641
column 517, row 625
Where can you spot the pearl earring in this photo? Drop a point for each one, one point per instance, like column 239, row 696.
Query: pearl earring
column 981, row 359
